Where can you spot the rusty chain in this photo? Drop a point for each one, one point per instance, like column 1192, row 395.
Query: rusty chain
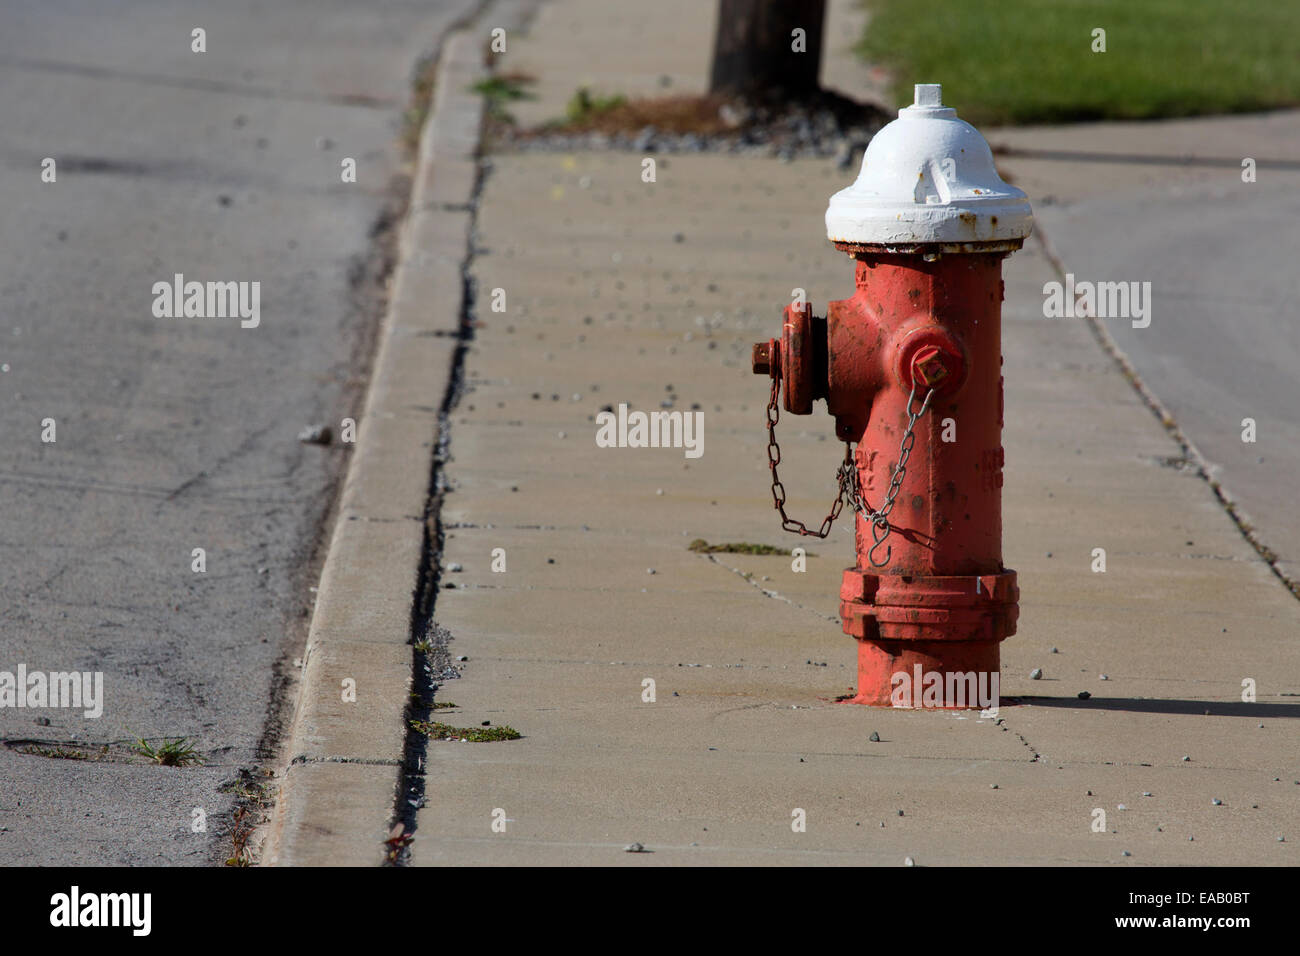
column 850, row 490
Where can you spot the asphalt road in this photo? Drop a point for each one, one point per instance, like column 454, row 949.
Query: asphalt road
column 177, row 433
column 1223, row 344
column 1168, row 203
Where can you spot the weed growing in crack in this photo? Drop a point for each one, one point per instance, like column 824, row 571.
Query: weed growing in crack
column 178, row 752
column 503, row 88
column 255, row 798
column 241, row 854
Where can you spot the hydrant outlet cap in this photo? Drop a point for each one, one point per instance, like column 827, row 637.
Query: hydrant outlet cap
column 928, row 178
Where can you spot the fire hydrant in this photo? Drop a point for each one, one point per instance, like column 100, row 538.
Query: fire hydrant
column 910, row 367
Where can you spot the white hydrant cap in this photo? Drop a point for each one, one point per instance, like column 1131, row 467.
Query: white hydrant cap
column 929, row 179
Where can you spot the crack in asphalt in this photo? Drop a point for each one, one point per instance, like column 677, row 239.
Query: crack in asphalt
column 365, row 100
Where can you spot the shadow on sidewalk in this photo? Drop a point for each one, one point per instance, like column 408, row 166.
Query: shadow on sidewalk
column 1147, row 705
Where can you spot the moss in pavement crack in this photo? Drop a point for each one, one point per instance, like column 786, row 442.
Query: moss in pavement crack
column 475, row 735
column 700, row 546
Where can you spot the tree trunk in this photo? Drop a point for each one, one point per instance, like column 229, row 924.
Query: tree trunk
column 756, row 53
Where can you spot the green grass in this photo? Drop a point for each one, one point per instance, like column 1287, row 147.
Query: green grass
column 1031, row 61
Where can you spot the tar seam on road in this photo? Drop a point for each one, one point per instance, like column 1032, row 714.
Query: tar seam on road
column 204, row 85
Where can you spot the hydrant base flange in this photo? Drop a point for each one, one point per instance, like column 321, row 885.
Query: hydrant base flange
column 914, row 607
column 911, row 626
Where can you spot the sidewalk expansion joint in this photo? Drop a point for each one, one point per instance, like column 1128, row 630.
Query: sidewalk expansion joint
column 1037, row 757
column 769, row 593
column 1192, row 454
column 431, row 661
column 304, row 760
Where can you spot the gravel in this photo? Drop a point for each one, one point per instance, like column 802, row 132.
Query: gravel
column 316, row 435
column 790, row 135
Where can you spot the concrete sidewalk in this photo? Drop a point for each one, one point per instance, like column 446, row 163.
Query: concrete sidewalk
column 622, row 291
column 606, row 305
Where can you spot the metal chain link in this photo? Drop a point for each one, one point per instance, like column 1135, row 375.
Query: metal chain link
column 880, row 527
column 850, row 491
column 778, row 489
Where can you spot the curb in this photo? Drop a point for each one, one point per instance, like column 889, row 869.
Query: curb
column 345, row 759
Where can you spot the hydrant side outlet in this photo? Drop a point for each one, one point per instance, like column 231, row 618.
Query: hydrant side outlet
column 910, row 367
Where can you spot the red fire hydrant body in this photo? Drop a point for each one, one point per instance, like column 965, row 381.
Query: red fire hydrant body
column 910, row 367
